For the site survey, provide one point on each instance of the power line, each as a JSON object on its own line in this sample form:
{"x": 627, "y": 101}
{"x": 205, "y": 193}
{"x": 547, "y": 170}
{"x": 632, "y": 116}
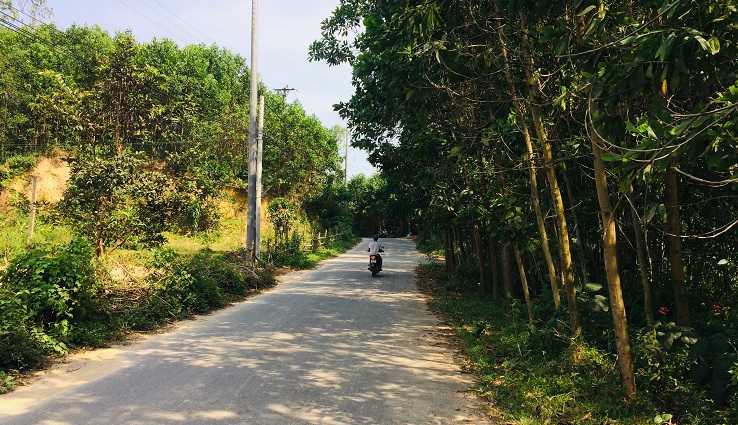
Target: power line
{"x": 185, "y": 22}
{"x": 147, "y": 18}
{"x": 169, "y": 20}
{"x": 20, "y": 28}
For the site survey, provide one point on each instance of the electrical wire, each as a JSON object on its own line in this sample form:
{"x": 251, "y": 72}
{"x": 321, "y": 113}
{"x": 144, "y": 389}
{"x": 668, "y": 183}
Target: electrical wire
{"x": 147, "y": 18}
{"x": 185, "y": 22}
{"x": 170, "y": 21}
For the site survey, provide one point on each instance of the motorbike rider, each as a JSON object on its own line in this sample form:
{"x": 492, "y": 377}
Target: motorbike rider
{"x": 374, "y": 249}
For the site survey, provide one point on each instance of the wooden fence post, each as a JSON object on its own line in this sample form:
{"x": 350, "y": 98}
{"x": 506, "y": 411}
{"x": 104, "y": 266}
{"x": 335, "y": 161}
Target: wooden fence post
{"x": 32, "y": 217}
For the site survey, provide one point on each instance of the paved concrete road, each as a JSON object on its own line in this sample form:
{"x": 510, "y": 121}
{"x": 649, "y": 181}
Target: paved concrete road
{"x": 327, "y": 346}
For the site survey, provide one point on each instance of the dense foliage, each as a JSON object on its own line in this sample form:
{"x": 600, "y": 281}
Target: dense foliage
{"x": 98, "y": 95}
{"x": 156, "y": 137}
{"x": 577, "y": 155}
{"x": 57, "y": 298}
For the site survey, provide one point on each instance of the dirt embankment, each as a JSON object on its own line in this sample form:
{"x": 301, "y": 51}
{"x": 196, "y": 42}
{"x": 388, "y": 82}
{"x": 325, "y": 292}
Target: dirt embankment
{"x": 53, "y": 175}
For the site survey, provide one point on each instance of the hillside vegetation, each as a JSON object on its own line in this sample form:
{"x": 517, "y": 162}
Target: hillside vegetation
{"x": 141, "y": 160}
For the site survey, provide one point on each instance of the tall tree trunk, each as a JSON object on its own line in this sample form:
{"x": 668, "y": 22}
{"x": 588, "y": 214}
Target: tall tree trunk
{"x": 495, "y": 268}
{"x": 448, "y": 251}
{"x": 459, "y": 237}
{"x": 507, "y": 273}
{"x": 530, "y": 155}
{"x": 558, "y": 202}
{"x": 674, "y": 228}
{"x": 481, "y": 257}
{"x": 524, "y": 281}
{"x": 581, "y": 240}
{"x": 453, "y": 244}
{"x": 617, "y": 306}
{"x": 642, "y": 262}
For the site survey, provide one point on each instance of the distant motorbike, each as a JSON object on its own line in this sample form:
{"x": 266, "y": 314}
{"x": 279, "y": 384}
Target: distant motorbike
{"x": 375, "y": 263}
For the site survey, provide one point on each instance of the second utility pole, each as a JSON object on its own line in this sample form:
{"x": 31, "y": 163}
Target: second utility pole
{"x": 251, "y": 236}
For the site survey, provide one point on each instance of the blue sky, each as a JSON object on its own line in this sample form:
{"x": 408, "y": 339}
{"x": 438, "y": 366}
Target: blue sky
{"x": 286, "y": 29}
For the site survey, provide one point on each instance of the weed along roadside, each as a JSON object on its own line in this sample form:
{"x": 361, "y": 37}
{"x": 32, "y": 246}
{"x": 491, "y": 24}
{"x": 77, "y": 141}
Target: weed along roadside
{"x": 59, "y": 299}
{"x": 532, "y": 373}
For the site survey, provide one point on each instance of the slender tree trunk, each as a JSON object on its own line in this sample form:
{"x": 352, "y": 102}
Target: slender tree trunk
{"x": 674, "y": 226}
{"x": 479, "y": 248}
{"x": 642, "y": 263}
{"x": 459, "y": 237}
{"x": 446, "y": 251}
{"x": 495, "y": 266}
{"x": 535, "y": 200}
{"x": 524, "y": 281}
{"x": 507, "y": 272}
{"x": 558, "y": 202}
{"x": 452, "y": 246}
{"x": 581, "y": 240}
{"x": 617, "y": 306}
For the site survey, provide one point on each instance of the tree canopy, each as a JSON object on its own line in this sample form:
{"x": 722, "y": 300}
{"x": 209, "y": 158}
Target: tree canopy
{"x": 181, "y": 111}
{"x": 623, "y": 111}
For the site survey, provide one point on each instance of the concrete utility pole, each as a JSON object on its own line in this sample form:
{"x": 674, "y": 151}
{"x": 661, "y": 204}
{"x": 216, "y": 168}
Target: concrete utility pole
{"x": 259, "y": 157}
{"x": 253, "y": 144}
{"x": 345, "y": 165}
{"x": 284, "y": 91}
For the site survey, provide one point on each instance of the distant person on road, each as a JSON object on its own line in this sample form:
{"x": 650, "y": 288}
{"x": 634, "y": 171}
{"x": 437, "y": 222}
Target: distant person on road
{"x": 374, "y": 249}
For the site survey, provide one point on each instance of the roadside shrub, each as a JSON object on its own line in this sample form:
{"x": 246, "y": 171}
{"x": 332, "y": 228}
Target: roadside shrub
{"x": 18, "y": 348}
{"x": 208, "y": 268}
{"x": 7, "y": 382}
{"x": 48, "y": 301}
{"x": 289, "y": 254}
{"x": 57, "y": 287}
{"x": 180, "y": 288}
{"x": 4, "y": 173}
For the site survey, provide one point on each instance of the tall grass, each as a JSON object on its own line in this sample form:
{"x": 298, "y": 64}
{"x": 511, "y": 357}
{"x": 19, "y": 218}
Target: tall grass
{"x": 532, "y": 372}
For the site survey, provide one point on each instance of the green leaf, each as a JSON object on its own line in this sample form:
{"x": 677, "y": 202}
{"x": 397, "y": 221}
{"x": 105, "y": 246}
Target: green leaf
{"x": 703, "y": 43}
{"x": 629, "y": 39}
{"x": 602, "y": 303}
{"x": 593, "y": 287}
{"x": 664, "y": 417}
{"x": 650, "y": 214}
{"x": 714, "y": 45}
{"x": 586, "y": 10}
{"x": 611, "y": 157}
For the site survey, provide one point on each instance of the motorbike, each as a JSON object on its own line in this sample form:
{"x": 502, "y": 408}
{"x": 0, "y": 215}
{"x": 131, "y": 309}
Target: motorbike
{"x": 375, "y": 263}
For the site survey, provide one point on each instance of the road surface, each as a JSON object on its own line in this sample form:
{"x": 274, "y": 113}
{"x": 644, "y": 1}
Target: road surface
{"x": 326, "y": 346}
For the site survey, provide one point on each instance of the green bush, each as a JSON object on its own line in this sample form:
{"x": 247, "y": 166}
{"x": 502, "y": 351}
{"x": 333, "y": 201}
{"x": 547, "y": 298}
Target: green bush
{"x": 7, "y": 382}
{"x": 181, "y": 288}
{"x": 18, "y": 348}
{"x": 21, "y": 163}
{"x": 47, "y": 296}
{"x": 218, "y": 273}
{"x": 57, "y": 287}
{"x": 57, "y": 282}
{"x": 289, "y": 254}
{"x": 4, "y": 173}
